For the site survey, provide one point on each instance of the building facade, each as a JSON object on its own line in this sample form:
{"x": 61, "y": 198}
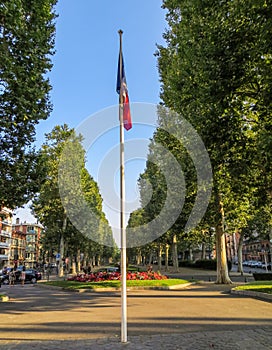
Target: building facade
{"x": 254, "y": 249}
{"x": 5, "y": 236}
{"x": 28, "y": 236}
{"x": 258, "y": 250}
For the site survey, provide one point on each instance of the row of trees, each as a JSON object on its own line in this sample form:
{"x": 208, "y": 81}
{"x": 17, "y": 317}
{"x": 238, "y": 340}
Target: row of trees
{"x": 63, "y": 152}
{"x": 216, "y": 71}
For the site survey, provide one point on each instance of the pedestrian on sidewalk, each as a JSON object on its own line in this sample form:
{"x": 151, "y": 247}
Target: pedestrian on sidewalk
{"x": 23, "y": 275}
{"x": 11, "y": 277}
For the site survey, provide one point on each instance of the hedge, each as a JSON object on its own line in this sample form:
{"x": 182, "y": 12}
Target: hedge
{"x": 206, "y": 264}
{"x": 262, "y": 276}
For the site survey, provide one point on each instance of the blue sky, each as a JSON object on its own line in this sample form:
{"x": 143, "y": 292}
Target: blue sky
{"x": 85, "y": 63}
{"x": 83, "y": 77}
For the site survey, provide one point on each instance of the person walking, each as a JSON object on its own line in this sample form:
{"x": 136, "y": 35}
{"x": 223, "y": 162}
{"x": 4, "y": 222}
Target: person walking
{"x": 11, "y": 277}
{"x": 23, "y": 275}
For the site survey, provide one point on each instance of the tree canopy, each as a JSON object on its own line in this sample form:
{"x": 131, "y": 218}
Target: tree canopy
{"x": 59, "y": 201}
{"x": 215, "y": 72}
{"x": 27, "y": 32}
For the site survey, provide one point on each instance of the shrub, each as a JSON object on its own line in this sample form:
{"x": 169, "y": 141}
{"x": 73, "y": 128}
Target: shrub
{"x": 206, "y": 264}
{"x": 186, "y": 263}
{"x": 262, "y": 276}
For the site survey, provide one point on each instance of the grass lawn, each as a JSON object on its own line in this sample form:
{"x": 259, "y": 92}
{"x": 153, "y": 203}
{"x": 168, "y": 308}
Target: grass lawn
{"x": 115, "y": 284}
{"x": 260, "y": 286}
{"x": 3, "y": 297}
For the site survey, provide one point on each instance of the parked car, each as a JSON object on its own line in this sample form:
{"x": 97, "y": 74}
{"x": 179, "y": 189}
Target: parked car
{"x": 268, "y": 266}
{"x": 32, "y": 276}
{"x": 253, "y": 263}
{"x": 5, "y": 270}
{"x": 259, "y": 264}
{"x": 35, "y": 273}
{"x": 49, "y": 266}
{"x": 109, "y": 269}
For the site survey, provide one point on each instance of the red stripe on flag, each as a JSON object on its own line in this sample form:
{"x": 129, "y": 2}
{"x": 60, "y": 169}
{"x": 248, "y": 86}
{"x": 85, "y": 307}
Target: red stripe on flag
{"x": 126, "y": 108}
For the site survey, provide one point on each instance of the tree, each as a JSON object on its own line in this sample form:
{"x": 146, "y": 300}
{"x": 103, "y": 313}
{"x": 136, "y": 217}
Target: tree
{"x": 27, "y": 31}
{"x": 216, "y": 72}
{"x": 50, "y": 204}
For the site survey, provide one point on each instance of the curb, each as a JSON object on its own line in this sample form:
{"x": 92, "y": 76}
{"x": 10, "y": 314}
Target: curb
{"x": 250, "y": 293}
{"x": 97, "y": 290}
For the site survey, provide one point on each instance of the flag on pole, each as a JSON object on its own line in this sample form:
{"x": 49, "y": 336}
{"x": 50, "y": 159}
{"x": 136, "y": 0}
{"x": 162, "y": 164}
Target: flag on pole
{"x": 122, "y": 90}
{"x": 125, "y": 120}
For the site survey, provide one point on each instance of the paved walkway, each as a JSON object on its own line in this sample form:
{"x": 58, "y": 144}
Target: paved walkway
{"x": 203, "y": 316}
{"x": 259, "y": 339}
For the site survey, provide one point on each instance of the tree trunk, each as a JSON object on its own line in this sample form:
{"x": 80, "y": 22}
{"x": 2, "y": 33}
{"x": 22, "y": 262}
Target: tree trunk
{"x": 78, "y": 261}
{"x": 221, "y": 255}
{"x": 240, "y": 254}
{"x": 139, "y": 257}
{"x": 203, "y": 251}
{"x": 190, "y": 254}
{"x": 150, "y": 258}
{"x": 235, "y": 250}
{"x": 62, "y": 243}
{"x": 269, "y": 257}
{"x": 175, "y": 253}
{"x": 183, "y": 255}
{"x": 166, "y": 257}
{"x": 159, "y": 257}
{"x": 74, "y": 265}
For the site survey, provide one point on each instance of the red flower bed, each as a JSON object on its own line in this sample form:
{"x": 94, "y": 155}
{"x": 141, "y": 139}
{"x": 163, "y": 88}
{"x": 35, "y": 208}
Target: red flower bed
{"x": 110, "y": 276}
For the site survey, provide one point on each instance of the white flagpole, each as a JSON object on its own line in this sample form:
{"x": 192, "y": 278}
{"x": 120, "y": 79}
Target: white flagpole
{"x": 122, "y": 211}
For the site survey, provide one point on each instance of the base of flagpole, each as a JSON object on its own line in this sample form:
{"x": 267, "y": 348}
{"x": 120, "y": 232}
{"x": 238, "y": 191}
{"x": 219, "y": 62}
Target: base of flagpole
{"x": 123, "y": 296}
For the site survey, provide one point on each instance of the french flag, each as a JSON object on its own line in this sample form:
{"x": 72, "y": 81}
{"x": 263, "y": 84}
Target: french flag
{"x": 122, "y": 90}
